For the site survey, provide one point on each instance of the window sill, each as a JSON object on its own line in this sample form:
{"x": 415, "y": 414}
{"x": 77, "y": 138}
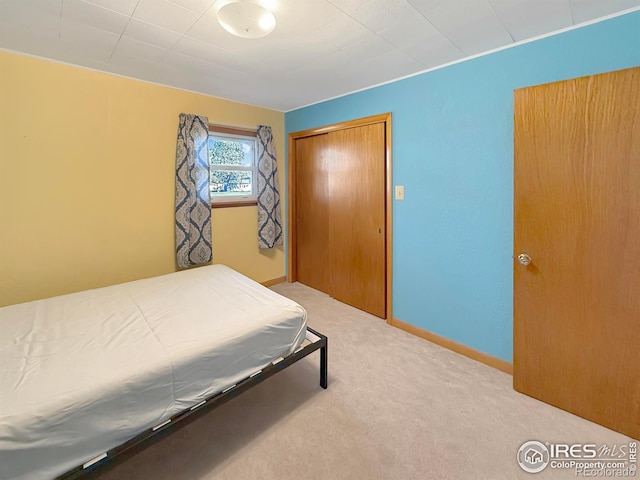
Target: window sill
{"x": 235, "y": 203}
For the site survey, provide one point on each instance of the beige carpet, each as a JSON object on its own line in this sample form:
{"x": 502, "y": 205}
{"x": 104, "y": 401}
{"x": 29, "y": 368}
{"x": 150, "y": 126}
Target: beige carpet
{"x": 397, "y": 407}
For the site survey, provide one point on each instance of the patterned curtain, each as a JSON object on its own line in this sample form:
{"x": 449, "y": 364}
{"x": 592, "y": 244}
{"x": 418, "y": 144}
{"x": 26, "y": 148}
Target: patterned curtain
{"x": 269, "y": 218}
{"x": 193, "y": 204}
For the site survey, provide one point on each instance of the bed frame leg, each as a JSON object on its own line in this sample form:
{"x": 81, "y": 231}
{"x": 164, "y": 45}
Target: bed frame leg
{"x": 323, "y": 364}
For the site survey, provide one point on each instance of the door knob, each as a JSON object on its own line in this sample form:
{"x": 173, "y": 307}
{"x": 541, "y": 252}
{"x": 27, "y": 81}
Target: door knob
{"x": 524, "y": 259}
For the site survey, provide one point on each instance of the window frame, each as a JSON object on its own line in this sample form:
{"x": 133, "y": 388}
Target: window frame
{"x": 239, "y": 200}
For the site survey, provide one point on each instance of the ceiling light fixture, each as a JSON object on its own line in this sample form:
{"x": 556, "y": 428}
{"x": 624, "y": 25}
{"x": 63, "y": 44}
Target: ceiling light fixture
{"x": 246, "y": 19}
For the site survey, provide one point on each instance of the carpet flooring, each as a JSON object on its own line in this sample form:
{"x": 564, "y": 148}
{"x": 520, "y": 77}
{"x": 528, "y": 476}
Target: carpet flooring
{"x": 397, "y": 407}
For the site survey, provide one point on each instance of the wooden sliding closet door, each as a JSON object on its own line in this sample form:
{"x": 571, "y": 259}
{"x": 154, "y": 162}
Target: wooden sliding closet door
{"x": 312, "y": 211}
{"x": 357, "y": 220}
{"x": 577, "y": 220}
{"x": 340, "y": 215}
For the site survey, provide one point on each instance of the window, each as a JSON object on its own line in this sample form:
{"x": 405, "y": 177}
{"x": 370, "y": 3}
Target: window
{"x": 233, "y": 166}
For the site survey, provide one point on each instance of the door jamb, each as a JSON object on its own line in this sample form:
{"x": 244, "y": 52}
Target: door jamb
{"x": 291, "y": 197}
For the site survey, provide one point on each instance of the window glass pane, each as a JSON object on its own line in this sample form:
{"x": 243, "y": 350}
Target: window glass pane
{"x": 231, "y": 151}
{"x": 226, "y": 182}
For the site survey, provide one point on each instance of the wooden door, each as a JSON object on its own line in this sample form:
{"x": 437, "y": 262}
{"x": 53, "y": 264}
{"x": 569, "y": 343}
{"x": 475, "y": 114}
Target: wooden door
{"x": 357, "y": 218}
{"x": 577, "y": 215}
{"x": 312, "y": 211}
{"x": 340, "y": 214}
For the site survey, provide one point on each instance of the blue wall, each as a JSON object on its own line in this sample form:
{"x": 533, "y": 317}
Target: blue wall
{"x": 453, "y": 152}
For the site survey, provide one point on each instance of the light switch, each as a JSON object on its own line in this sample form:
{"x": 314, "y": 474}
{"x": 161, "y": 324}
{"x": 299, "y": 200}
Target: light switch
{"x": 399, "y": 192}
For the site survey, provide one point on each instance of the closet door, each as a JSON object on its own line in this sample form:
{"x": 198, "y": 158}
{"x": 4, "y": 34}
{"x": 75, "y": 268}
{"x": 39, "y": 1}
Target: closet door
{"x": 312, "y": 212}
{"x": 577, "y": 240}
{"x": 357, "y": 217}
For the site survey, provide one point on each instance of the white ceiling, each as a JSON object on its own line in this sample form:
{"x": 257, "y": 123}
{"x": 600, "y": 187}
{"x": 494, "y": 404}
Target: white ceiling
{"x": 319, "y": 49}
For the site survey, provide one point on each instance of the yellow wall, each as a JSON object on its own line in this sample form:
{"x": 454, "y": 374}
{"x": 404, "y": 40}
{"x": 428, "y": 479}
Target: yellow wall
{"x": 87, "y": 180}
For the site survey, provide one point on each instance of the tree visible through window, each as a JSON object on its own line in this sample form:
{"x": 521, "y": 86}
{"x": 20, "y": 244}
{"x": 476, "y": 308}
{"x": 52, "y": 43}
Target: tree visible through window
{"x": 232, "y": 160}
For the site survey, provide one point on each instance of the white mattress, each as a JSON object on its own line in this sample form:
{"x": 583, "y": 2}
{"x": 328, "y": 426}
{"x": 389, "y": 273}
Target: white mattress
{"x": 82, "y": 373}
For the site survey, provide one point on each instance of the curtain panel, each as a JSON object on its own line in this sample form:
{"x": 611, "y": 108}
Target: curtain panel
{"x": 269, "y": 216}
{"x": 193, "y": 202}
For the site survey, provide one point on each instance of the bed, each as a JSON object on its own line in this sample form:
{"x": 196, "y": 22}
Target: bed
{"x": 93, "y": 375}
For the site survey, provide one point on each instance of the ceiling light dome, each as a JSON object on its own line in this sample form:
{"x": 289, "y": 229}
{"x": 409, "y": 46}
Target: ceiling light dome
{"x": 246, "y": 19}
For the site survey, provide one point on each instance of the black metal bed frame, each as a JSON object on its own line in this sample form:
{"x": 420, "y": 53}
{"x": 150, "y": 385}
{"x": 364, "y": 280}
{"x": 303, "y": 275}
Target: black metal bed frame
{"x": 111, "y": 458}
